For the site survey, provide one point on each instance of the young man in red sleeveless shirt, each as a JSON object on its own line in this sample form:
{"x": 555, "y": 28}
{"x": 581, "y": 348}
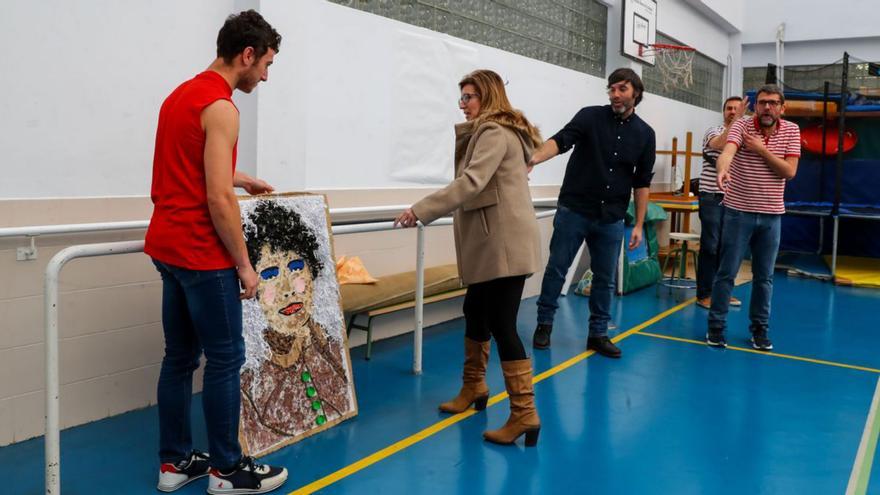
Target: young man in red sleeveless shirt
{"x": 761, "y": 153}
{"x": 196, "y": 242}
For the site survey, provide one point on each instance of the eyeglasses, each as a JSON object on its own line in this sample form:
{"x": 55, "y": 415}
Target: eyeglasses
{"x": 466, "y": 97}
{"x": 769, "y": 103}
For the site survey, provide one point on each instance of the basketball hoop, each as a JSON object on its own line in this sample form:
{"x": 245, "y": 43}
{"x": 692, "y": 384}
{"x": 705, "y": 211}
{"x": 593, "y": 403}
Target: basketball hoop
{"x": 675, "y": 62}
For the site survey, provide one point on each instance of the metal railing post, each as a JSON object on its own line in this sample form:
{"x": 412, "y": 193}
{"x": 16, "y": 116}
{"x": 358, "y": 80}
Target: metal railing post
{"x": 420, "y": 298}
{"x": 50, "y": 308}
{"x": 53, "y": 430}
{"x": 834, "y": 248}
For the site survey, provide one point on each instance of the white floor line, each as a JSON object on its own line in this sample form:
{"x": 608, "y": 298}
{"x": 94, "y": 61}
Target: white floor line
{"x": 861, "y": 473}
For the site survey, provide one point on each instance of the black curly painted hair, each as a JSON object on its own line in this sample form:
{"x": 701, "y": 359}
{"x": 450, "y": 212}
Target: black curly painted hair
{"x": 282, "y": 230}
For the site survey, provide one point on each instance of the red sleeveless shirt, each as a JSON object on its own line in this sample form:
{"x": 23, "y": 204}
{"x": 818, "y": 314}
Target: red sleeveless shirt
{"x": 181, "y": 232}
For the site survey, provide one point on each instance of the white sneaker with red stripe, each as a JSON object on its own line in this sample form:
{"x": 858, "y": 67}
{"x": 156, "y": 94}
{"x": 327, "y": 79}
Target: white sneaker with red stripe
{"x": 247, "y": 477}
{"x": 174, "y": 476}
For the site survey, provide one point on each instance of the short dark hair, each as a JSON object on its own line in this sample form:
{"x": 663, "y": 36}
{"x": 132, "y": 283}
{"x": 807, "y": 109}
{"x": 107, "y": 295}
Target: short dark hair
{"x": 629, "y": 76}
{"x": 283, "y": 230}
{"x": 730, "y": 99}
{"x": 771, "y": 89}
{"x": 245, "y": 29}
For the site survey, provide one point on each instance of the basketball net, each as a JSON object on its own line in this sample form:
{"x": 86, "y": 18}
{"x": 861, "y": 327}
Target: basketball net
{"x": 675, "y": 63}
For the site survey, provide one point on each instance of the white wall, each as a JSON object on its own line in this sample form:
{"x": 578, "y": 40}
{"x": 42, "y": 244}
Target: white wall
{"x": 82, "y": 84}
{"x": 81, "y": 106}
{"x": 614, "y": 57}
{"x": 691, "y": 27}
{"x": 816, "y": 32}
{"x": 342, "y": 124}
{"x": 815, "y": 52}
{"x": 809, "y": 20}
{"x": 729, "y": 15}
{"x": 329, "y": 115}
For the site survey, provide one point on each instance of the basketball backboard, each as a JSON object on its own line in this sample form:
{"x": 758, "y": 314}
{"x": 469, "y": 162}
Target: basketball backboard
{"x": 639, "y": 28}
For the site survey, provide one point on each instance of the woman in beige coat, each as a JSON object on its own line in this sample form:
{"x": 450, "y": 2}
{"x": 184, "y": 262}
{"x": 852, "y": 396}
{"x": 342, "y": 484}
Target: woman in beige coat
{"x": 497, "y": 245}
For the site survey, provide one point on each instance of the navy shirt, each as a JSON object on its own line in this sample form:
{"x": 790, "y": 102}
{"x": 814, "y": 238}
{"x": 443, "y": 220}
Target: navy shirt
{"x": 611, "y": 157}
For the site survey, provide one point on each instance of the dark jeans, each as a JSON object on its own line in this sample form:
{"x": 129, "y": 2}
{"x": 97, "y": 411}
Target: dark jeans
{"x": 711, "y": 218}
{"x": 742, "y": 230}
{"x": 201, "y": 310}
{"x": 490, "y": 309}
{"x": 570, "y": 230}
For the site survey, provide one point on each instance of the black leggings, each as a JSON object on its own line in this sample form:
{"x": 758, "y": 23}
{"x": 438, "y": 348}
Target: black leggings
{"x": 490, "y": 310}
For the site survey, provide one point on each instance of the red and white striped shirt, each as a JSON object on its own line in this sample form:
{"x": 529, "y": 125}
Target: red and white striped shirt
{"x": 709, "y": 175}
{"x": 754, "y": 186}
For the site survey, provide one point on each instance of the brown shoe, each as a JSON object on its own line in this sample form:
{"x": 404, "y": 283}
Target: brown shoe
{"x": 735, "y": 302}
{"x": 705, "y": 302}
{"x": 473, "y": 387}
{"x": 523, "y": 418}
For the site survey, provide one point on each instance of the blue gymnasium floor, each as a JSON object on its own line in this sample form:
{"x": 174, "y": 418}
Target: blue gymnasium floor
{"x": 672, "y": 416}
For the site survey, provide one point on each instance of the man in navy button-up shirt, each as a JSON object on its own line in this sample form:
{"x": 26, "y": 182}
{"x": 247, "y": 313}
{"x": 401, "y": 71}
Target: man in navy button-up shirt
{"x": 614, "y": 153}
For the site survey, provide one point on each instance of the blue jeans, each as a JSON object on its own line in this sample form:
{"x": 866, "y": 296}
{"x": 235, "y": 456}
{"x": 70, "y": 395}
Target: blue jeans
{"x": 760, "y": 232}
{"x": 711, "y": 218}
{"x": 570, "y": 230}
{"x": 201, "y": 310}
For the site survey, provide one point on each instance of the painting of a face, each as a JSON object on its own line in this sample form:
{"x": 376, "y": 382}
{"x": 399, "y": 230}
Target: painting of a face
{"x": 285, "y": 290}
{"x": 296, "y": 378}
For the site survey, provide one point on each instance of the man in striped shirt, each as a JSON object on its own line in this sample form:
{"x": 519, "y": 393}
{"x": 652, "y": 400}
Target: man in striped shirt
{"x": 710, "y": 201}
{"x": 761, "y": 153}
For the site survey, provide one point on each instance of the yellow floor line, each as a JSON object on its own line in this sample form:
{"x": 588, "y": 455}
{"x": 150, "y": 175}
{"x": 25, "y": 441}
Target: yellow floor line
{"x": 446, "y": 423}
{"x": 765, "y": 353}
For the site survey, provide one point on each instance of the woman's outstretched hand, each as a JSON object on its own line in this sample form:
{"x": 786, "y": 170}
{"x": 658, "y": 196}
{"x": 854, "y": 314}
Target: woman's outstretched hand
{"x": 406, "y": 219}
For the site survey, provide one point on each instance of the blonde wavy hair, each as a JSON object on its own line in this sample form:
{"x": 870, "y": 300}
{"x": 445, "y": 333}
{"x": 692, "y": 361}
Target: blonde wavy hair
{"x": 495, "y": 107}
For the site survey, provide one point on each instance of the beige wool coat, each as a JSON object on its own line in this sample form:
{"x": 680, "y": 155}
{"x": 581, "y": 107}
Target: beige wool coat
{"x": 496, "y": 233}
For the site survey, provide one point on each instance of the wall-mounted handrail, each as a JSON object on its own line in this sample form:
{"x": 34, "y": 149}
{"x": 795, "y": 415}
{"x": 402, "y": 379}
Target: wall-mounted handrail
{"x": 52, "y": 436}
{"x": 76, "y": 228}
{"x": 73, "y": 228}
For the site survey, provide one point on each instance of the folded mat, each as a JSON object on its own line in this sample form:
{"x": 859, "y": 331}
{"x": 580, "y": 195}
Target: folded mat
{"x": 398, "y": 288}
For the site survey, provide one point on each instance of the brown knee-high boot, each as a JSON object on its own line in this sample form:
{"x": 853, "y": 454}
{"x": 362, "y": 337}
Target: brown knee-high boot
{"x": 473, "y": 388}
{"x": 523, "y": 415}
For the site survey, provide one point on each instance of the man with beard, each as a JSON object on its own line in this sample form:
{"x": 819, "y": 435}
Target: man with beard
{"x": 195, "y": 240}
{"x": 710, "y": 201}
{"x": 760, "y": 155}
{"x": 614, "y": 153}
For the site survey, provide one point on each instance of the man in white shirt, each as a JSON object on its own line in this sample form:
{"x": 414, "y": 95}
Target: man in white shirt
{"x": 711, "y": 211}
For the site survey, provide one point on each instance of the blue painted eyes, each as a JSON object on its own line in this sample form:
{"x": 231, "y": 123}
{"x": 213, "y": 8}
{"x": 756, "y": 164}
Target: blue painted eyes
{"x": 272, "y": 272}
{"x": 269, "y": 273}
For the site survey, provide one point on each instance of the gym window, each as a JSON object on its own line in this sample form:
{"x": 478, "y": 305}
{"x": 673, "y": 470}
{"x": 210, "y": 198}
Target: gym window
{"x": 568, "y": 33}
{"x": 811, "y": 78}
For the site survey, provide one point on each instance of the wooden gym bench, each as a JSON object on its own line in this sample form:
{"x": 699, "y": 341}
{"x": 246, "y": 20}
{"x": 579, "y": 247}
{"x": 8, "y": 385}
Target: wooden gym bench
{"x": 395, "y": 293}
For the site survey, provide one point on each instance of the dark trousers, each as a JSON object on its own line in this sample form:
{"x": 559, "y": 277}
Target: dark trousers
{"x": 711, "y": 219}
{"x": 490, "y": 310}
{"x": 201, "y": 310}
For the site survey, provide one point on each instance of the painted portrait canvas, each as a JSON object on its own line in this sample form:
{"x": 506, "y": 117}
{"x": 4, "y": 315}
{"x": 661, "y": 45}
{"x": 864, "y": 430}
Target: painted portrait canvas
{"x": 296, "y": 380}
